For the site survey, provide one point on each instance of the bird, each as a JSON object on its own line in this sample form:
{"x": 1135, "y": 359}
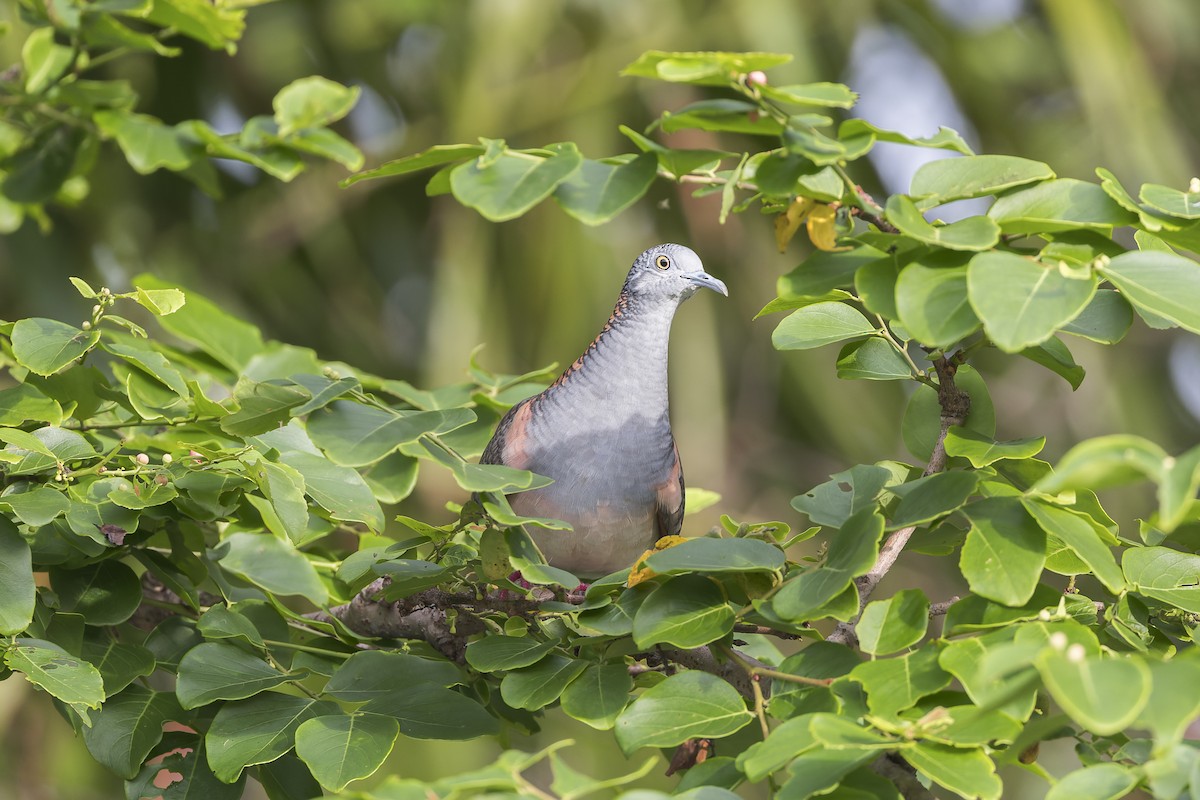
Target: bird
{"x": 602, "y": 430}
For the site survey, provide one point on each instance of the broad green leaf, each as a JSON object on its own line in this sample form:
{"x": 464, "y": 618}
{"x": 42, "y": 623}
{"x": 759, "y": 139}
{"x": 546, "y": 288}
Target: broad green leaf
{"x": 263, "y": 407}
{"x": 72, "y": 680}
{"x": 722, "y": 114}
{"x": 287, "y": 512}
{"x": 820, "y": 324}
{"x": 216, "y": 671}
{"x": 1177, "y": 489}
{"x": 822, "y": 272}
{"x": 44, "y": 60}
{"x": 1005, "y": 551}
{"x": 355, "y": 434}
{"x": 705, "y": 554}
{"x": 894, "y": 684}
{"x": 24, "y": 403}
{"x": 1174, "y": 698}
{"x": 890, "y": 625}
{"x": 371, "y": 674}
{"x": 598, "y": 695}
{"x": 217, "y": 27}
{"x": 677, "y": 162}
{"x": 1163, "y": 574}
{"x": 852, "y": 551}
{"x": 37, "y": 507}
{"x": 147, "y": 143}
{"x": 981, "y": 450}
{"x": 435, "y": 156}
{"x": 831, "y": 95}
{"x": 1058, "y": 205}
{"x": 873, "y": 359}
{"x": 160, "y": 301}
{"x": 971, "y": 233}
{"x": 288, "y": 778}
{"x": 705, "y": 68}
{"x": 1185, "y": 205}
{"x": 312, "y": 102}
{"x": 1054, "y": 356}
{"x": 427, "y": 711}
{"x": 17, "y": 589}
{"x": 1165, "y": 284}
{"x": 272, "y": 564}
{"x": 685, "y": 706}
{"x": 832, "y": 502}
{"x": 540, "y": 685}
{"x": 324, "y": 143}
{"x": 947, "y": 179}
{"x": 106, "y": 593}
{"x": 153, "y": 363}
{"x": 36, "y": 173}
{"x": 45, "y": 346}
{"x": 202, "y": 323}
{"x": 688, "y": 611}
{"x": 1103, "y": 695}
{"x": 973, "y": 613}
{"x": 507, "y": 185}
{"x": 599, "y": 191}
{"x": 922, "y": 416}
{"x": 1103, "y": 462}
{"x": 932, "y": 303}
{"x": 344, "y": 748}
{"x": 1084, "y": 536}
{"x": 1021, "y": 302}
{"x": 930, "y": 497}
{"x": 141, "y": 496}
{"x": 966, "y": 659}
{"x": 971, "y": 725}
{"x": 257, "y": 731}
{"x": 339, "y": 490}
{"x": 1107, "y": 781}
{"x": 407, "y": 576}
{"x": 944, "y": 139}
{"x": 819, "y": 770}
{"x": 186, "y": 761}
{"x": 817, "y": 660}
{"x": 969, "y": 773}
{"x": 875, "y": 285}
{"x": 783, "y": 744}
{"x": 128, "y": 727}
{"x": 495, "y": 653}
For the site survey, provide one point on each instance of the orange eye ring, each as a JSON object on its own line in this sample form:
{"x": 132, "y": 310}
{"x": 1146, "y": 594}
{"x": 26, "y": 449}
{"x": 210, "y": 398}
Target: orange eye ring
{"x": 662, "y": 262}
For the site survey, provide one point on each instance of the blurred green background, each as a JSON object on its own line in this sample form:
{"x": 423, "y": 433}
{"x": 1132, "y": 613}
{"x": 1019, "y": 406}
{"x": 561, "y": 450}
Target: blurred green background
{"x": 382, "y": 277}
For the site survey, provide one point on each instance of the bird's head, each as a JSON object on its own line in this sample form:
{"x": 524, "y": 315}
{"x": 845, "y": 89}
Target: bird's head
{"x": 670, "y": 272}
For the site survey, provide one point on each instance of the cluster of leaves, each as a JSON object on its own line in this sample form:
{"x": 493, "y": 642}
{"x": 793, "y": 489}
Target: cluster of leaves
{"x": 59, "y": 108}
{"x": 175, "y": 508}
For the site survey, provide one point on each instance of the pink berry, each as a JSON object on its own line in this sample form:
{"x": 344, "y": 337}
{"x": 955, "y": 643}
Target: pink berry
{"x": 757, "y": 78}
{"x": 142, "y": 458}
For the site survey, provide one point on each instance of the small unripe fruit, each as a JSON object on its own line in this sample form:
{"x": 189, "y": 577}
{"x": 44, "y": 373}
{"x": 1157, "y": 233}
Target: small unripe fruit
{"x": 102, "y": 470}
{"x": 757, "y": 78}
{"x": 161, "y": 480}
{"x": 194, "y": 454}
{"x": 142, "y": 459}
{"x": 1058, "y": 640}
{"x": 1076, "y": 653}
{"x": 87, "y": 326}
{"x": 167, "y": 459}
{"x": 96, "y": 309}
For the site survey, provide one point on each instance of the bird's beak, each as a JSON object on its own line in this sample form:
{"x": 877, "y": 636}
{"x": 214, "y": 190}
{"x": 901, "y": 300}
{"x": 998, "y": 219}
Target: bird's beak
{"x": 708, "y": 282}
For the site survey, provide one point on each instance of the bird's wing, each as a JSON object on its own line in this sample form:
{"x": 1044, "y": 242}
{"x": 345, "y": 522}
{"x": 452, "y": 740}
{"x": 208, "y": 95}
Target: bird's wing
{"x": 668, "y": 517}
{"x": 507, "y": 446}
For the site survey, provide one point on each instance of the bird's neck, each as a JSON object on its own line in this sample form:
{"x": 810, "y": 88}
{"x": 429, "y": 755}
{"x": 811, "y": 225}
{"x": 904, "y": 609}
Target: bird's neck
{"x": 625, "y": 366}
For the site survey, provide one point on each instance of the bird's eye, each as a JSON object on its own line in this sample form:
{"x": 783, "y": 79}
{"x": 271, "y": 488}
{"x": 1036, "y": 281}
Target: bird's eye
{"x": 662, "y": 262}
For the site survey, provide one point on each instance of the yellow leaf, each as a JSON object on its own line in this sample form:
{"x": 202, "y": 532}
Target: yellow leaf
{"x": 787, "y": 223}
{"x": 822, "y": 230}
{"x": 638, "y": 572}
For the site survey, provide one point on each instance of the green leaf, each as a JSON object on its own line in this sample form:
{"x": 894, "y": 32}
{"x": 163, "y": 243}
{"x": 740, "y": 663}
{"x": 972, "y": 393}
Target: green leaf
{"x": 119, "y": 663}
{"x": 540, "y": 685}
{"x": 599, "y": 191}
{"x": 216, "y": 671}
{"x": 1021, "y": 302}
{"x": 1103, "y": 462}
{"x": 705, "y": 554}
{"x": 677, "y": 162}
{"x": 922, "y": 416}
{"x": 186, "y": 762}
{"x": 44, "y": 60}
{"x": 482, "y": 477}
{"x": 106, "y": 593}
{"x": 819, "y": 770}
{"x": 1165, "y": 284}
{"x": 263, "y": 407}
{"x": 688, "y": 611}
{"x": 495, "y": 653}
{"x": 507, "y": 185}
{"x": 147, "y": 143}
{"x": 202, "y": 323}
{"x": 37, "y": 172}
{"x": 339, "y": 490}
{"x": 685, "y": 706}
{"x": 23, "y": 403}
{"x": 152, "y": 363}
{"x": 829, "y": 95}
{"x": 37, "y": 507}
{"x": 598, "y": 695}
{"x": 1083, "y": 535}
{"x": 820, "y": 324}
{"x": 1103, "y": 695}
{"x": 971, "y": 233}
{"x": 426, "y": 711}
{"x": 312, "y": 102}
{"x": 894, "y": 684}
{"x": 257, "y": 731}
{"x": 930, "y": 497}
{"x": 891, "y": 625}
{"x": 722, "y": 114}
{"x": 783, "y": 744}
{"x": 435, "y": 156}
{"x": 371, "y": 674}
{"x": 1163, "y": 574}
{"x": 355, "y": 434}
{"x": 947, "y": 179}
{"x": 1105, "y": 781}
{"x": 283, "y": 487}
{"x": 344, "y": 748}
{"x": 407, "y": 576}
{"x": 933, "y": 304}
{"x": 1174, "y": 699}
{"x": 273, "y": 565}
{"x": 845, "y": 493}
{"x": 45, "y": 346}
{"x": 160, "y": 301}
{"x": 1054, "y": 356}
{"x": 1185, "y": 205}
{"x": 823, "y": 272}
{"x": 944, "y": 139}
{"x": 72, "y": 680}
{"x": 1058, "y": 205}
{"x": 217, "y": 27}
{"x": 704, "y": 68}
{"x": 17, "y": 588}
{"x": 852, "y": 551}
{"x": 873, "y": 359}
{"x": 1005, "y": 551}
{"x": 969, "y": 773}
{"x": 981, "y": 450}
{"x": 128, "y": 727}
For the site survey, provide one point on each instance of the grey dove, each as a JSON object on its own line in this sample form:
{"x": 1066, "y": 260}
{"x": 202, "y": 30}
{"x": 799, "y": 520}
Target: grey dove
{"x": 602, "y": 431}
